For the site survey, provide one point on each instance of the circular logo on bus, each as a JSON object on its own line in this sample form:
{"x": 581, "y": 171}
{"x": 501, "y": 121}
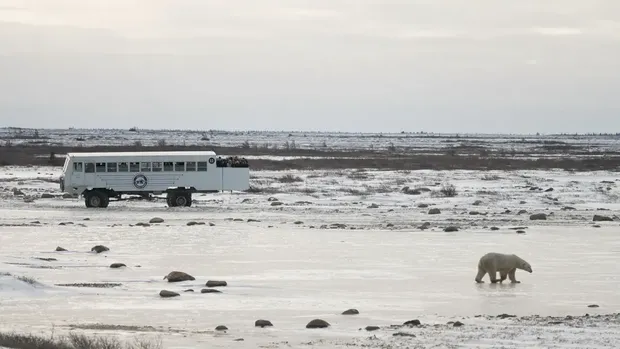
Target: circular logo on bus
{"x": 211, "y": 161}
{"x": 140, "y": 181}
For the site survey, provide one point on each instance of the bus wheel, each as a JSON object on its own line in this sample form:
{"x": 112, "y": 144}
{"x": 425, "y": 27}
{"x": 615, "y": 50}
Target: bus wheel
{"x": 95, "y": 198}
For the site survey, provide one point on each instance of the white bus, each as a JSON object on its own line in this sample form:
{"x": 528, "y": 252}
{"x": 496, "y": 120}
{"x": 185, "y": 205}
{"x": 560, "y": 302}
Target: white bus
{"x": 98, "y": 177}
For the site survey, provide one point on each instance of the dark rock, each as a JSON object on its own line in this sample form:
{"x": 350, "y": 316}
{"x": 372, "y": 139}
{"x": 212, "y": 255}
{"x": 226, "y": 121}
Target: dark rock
{"x": 538, "y": 216}
{"x": 168, "y": 294}
{"x": 373, "y": 206}
{"x": 142, "y": 224}
{"x": 221, "y": 328}
{"x": 350, "y": 312}
{"x": 189, "y": 290}
{"x": 457, "y": 324}
{"x": 99, "y": 248}
{"x": 505, "y": 316}
{"x": 477, "y": 203}
{"x": 422, "y": 205}
{"x": 520, "y": 231}
{"x": 276, "y": 203}
{"x": 262, "y": 323}
{"x": 548, "y": 190}
{"x": 434, "y": 211}
{"x": 371, "y": 328}
{"x": 403, "y": 334}
{"x": 317, "y": 323}
{"x": 210, "y": 290}
{"x": 593, "y": 306}
{"x": 415, "y": 322}
{"x": 599, "y": 218}
{"x": 216, "y": 283}
{"x": 156, "y": 220}
{"x": 298, "y": 222}
{"x": 494, "y": 228}
{"x": 117, "y": 265}
{"x": 176, "y": 276}
{"x": 450, "y": 229}
{"x": 60, "y": 249}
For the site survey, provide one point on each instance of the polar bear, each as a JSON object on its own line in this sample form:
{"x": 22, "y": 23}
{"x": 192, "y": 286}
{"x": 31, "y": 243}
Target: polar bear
{"x": 506, "y": 264}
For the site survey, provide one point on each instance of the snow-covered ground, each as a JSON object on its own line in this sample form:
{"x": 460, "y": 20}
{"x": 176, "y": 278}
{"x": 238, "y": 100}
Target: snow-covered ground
{"x": 338, "y": 240}
{"x": 413, "y": 141}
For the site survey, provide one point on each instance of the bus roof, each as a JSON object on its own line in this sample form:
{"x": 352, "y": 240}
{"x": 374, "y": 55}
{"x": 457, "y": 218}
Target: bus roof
{"x": 141, "y": 154}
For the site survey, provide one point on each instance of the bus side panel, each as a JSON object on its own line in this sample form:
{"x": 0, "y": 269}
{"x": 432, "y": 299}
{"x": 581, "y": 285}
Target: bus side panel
{"x": 235, "y": 178}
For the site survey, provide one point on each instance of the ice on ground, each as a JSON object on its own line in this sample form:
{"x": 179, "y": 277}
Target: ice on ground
{"x": 289, "y": 273}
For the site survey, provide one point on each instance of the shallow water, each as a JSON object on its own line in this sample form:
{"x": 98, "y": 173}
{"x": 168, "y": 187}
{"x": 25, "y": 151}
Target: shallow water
{"x": 291, "y": 275}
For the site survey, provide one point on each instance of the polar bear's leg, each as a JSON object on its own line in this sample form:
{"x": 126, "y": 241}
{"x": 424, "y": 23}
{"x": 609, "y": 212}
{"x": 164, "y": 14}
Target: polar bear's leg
{"x": 503, "y": 274}
{"x": 480, "y": 275}
{"x": 511, "y": 275}
{"x": 492, "y": 274}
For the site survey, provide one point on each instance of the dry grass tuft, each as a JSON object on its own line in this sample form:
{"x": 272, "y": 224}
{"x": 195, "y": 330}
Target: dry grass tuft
{"x": 72, "y": 341}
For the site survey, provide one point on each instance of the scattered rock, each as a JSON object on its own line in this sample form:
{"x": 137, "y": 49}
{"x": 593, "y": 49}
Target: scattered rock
{"x": 192, "y": 223}
{"x": 252, "y": 220}
{"x": 434, "y": 211}
{"x": 168, "y": 294}
{"x": 276, "y": 203}
{"x": 474, "y": 213}
{"x": 538, "y": 216}
{"x": 568, "y": 208}
{"x": 457, "y": 324}
{"x": 522, "y": 212}
{"x": 117, "y": 265}
{"x": 98, "y": 248}
{"x": 262, "y": 323}
{"x": 494, "y": 228}
{"x": 211, "y": 224}
{"x": 142, "y": 224}
{"x": 176, "y": 276}
{"x": 520, "y": 231}
{"x": 593, "y": 306}
{"x": 210, "y": 290}
{"x": 46, "y": 196}
{"x": 505, "y": 316}
{"x": 410, "y": 323}
{"x": 189, "y": 290}
{"x": 450, "y": 229}
{"x": 350, "y": 312}
{"x": 272, "y": 199}
{"x": 61, "y": 249}
{"x": 156, "y": 220}
{"x": 422, "y": 205}
{"x": 371, "y": 328}
{"x": 403, "y": 334}
{"x": 548, "y": 190}
{"x": 298, "y": 222}
{"x": 221, "y": 328}
{"x": 317, "y": 323}
{"x": 599, "y": 218}
{"x": 373, "y": 206}
{"x": 477, "y": 203}
{"x": 46, "y": 259}
{"x": 216, "y": 283}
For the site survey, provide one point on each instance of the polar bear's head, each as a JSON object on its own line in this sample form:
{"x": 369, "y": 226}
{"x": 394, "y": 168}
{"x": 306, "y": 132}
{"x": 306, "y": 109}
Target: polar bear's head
{"x": 525, "y": 266}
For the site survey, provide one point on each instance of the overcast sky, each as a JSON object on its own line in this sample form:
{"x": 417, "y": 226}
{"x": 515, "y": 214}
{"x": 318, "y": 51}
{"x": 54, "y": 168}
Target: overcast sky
{"x": 341, "y": 65}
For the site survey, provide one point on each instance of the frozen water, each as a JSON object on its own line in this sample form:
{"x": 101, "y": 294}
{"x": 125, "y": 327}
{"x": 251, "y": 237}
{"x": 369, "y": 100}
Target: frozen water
{"x": 291, "y": 273}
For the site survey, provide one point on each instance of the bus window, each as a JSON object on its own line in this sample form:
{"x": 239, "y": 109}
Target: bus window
{"x": 111, "y": 166}
{"x": 202, "y": 166}
{"x": 100, "y": 167}
{"x": 190, "y": 166}
{"x": 78, "y": 167}
{"x": 157, "y": 167}
{"x": 145, "y": 167}
{"x": 168, "y": 166}
{"x": 134, "y": 167}
{"x": 179, "y": 166}
{"x": 90, "y": 167}
{"x": 123, "y": 167}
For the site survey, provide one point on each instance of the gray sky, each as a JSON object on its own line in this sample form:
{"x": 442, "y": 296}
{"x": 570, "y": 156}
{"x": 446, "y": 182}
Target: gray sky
{"x": 341, "y": 65}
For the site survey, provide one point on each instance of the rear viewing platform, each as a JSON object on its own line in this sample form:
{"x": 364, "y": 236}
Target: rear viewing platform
{"x": 102, "y": 176}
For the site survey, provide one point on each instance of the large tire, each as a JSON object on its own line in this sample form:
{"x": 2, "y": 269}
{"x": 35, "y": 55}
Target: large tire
{"x": 95, "y": 198}
{"x": 176, "y": 199}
